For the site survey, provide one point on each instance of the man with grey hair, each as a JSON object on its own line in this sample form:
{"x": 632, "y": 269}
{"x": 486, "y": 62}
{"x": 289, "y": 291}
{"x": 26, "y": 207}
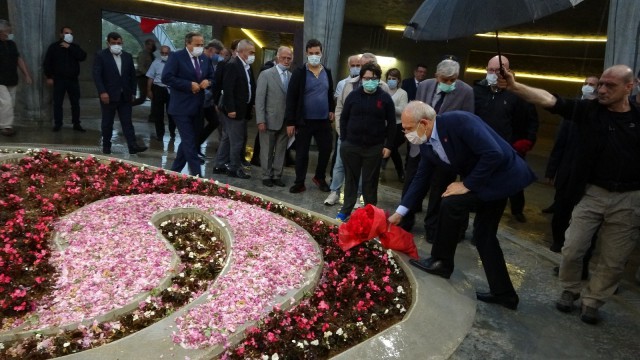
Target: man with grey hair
{"x": 239, "y": 89}
{"x": 464, "y": 144}
{"x": 444, "y": 93}
{"x": 271, "y": 101}
{"x": 353, "y": 62}
{"x": 11, "y": 60}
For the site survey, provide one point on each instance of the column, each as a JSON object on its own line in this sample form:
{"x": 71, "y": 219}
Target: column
{"x": 33, "y": 23}
{"x": 323, "y": 20}
{"x": 622, "y": 34}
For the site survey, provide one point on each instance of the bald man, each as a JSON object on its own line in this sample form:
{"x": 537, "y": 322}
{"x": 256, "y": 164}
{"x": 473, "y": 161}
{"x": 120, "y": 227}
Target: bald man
{"x": 515, "y": 120}
{"x": 607, "y": 174}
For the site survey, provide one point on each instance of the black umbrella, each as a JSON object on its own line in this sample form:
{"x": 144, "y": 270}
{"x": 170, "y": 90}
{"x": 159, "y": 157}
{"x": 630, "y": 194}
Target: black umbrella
{"x": 450, "y": 19}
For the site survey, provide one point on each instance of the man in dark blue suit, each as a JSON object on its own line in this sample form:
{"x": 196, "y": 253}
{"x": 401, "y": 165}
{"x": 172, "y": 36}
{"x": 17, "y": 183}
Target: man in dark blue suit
{"x": 115, "y": 78}
{"x": 188, "y": 73}
{"x": 492, "y": 171}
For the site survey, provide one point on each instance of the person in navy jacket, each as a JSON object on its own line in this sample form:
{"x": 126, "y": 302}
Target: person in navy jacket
{"x": 187, "y": 73}
{"x": 492, "y": 171}
{"x": 115, "y": 79}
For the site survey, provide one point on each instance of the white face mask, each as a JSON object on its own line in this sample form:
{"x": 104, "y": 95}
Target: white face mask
{"x": 250, "y": 59}
{"x": 164, "y": 57}
{"x": 68, "y": 38}
{"x": 414, "y": 138}
{"x": 588, "y": 90}
{"x": 354, "y": 71}
{"x": 115, "y": 49}
{"x": 492, "y": 78}
{"x": 314, "y": 59}
{"x": 10, "y": 37}
{"x": 197, "y": 51}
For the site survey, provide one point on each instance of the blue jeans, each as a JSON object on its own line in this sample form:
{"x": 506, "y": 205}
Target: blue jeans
{"x": 337, "y": 178}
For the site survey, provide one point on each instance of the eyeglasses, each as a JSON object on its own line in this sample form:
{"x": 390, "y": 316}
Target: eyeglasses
{"x": 369, "y": 78}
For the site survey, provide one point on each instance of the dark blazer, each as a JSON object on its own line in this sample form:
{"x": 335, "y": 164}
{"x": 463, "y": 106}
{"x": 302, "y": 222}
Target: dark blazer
{"x": 294, "y": 114}
{"x": 109, "y": 80}
{"x": 409, "y": 85}
{"x": 178, "y": 74}
{"x": 235, "y": 96}
{"x": 491, "y": 168}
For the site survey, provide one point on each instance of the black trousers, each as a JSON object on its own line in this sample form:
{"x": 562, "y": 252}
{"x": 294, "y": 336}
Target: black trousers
{"x": 159, "y": 103}
{"x": 360, "y": 161}
{"x": 211, "y": 116}
{"x": 442, "y": 177}
{"x": 142, "y": 87}
{"x": 321, "y": 131}
{"x": 454, "y": 211}
{"x": 395, "y": 154}
{"x": 62, "y": 86}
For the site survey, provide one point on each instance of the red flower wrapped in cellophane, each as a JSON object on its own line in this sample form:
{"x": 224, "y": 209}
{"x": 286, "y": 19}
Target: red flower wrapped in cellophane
{"x": 369, "y": 222}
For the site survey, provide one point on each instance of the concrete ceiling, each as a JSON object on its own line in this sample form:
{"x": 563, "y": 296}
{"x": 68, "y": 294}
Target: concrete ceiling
{"x": 585, "y": 18}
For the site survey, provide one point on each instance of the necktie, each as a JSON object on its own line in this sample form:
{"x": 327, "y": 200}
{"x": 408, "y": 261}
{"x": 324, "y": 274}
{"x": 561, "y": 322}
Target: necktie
{"x": 197, "y": 65}
{"x": 439, "y": 103}
{"x": 285, "y": 79}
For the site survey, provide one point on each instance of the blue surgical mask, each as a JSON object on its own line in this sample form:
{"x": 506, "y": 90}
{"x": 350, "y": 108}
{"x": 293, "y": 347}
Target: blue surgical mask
{"x": 314, "y": 59}
{"x": 354, "y": 71}
{"x": 370, "y": 85}
{"x": 393, "y": 83}
{"x": 492, "y": 78}
{"x": 447, "y": 88}
{"x": 282, "y": 67}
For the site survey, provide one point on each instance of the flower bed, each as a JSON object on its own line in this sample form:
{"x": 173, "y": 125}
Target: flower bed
{"x": 361, "y": 292}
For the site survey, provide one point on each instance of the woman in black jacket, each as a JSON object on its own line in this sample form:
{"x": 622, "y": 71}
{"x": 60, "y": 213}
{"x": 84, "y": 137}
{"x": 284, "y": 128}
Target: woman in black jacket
{"x": 367, "y": 129}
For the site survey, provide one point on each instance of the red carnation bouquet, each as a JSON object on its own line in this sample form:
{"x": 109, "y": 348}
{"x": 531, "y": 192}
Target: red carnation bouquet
{"x": 369, "y": 222}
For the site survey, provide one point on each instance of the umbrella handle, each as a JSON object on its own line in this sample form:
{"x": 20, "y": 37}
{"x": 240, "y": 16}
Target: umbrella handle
{"x": 499, "y": 56}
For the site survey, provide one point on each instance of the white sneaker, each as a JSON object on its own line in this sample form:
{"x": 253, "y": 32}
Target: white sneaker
{"x": 359, "y": 203}
{"x": 332, "y": 199}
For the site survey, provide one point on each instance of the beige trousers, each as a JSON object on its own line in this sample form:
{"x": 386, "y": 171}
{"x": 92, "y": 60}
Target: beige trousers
{"x": 7, "y": 104}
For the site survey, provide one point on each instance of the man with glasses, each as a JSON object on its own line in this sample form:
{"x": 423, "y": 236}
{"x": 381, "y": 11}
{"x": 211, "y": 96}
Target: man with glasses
{"x": 158, "y": 92}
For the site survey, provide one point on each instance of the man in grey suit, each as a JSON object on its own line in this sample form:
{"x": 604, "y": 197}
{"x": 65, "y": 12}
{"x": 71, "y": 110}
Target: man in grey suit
{"x": 271, "y": 99}
{"x": 443, "y": 93}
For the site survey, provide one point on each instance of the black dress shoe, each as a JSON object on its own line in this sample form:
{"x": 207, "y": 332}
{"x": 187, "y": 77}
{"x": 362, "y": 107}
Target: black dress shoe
{"x": 106, "y": 150}
{"x": 56, "y": 128}
{"x": 550, "y": 209}
{"x": 433, "y": 266}
{"x": 267, "y": 182}
{"x": 520, "y": 218}
{"x": 240, "y": 174}
{"x": 137, "y": 149}
{"x": 220, "y": 170}
{"x": 278, "y": 182}
{"x": 297, "y": 188}
{"x": 78, "y": 128}
{"x": 510, "y": 301}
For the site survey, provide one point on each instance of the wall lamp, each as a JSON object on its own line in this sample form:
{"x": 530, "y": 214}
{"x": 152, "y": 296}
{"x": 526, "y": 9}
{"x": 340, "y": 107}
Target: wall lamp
{"x": 253, "y": 37}
{"x": 549, "y": 77}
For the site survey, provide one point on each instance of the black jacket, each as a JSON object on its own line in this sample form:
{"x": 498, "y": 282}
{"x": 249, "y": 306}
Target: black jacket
{"x": 368, "y": 119}
{"x": 409, "y": 85}
{"x": 585, "y": 141}
{"x": 506, "y": 113}
{"x": 236, "y": 91}
{"x": 294, "y": 113}
{"x": 61, "y": 63}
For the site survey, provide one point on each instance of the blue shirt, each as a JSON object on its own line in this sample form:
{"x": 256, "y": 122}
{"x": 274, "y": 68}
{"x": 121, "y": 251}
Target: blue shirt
{"x": 316, "y": 103}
